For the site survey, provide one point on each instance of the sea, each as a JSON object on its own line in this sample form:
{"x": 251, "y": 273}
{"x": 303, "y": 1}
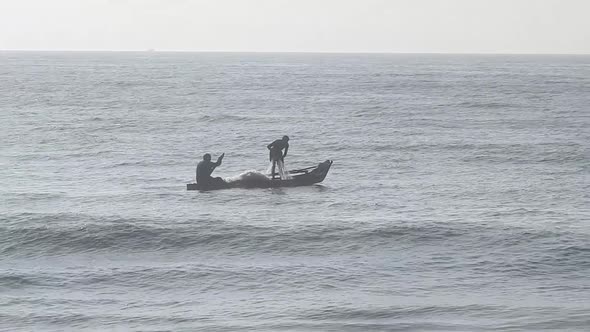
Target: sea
{"x": 458, "y": 198}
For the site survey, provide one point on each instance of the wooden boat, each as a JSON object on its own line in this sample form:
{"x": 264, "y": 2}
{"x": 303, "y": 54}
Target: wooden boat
{"x": 300, "y": 177}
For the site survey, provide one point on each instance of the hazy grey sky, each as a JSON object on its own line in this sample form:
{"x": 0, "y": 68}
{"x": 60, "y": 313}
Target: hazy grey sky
{"x": 455, "y": 26}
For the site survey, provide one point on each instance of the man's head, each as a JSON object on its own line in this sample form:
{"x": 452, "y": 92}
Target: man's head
{"x": 286, "y": 138}
{"x": 207, "y": 157}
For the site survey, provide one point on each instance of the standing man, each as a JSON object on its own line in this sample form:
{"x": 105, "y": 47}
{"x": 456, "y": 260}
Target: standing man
{"x": 205, "y": 168}
{"x": 276, "y": 153}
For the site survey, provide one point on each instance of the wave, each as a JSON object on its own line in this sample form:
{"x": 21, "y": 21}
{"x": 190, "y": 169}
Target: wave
{"x": 555, "y": 250}
{"x": 499, "y": 153}
{"x": 344, "y": 313}
{"x": 486, "y": 105}
{"x": 15, "y": 281}
{"x": 220, "y": 118}
{"x": 523, "y": 153}
{"x": 440, "y": 318}
{"x": 431, "y": 317}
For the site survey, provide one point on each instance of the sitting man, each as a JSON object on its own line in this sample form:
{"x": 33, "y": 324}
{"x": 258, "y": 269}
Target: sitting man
{"x": 205, "y": 168}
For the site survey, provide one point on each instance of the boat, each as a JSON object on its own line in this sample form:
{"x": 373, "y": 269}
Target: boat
{"x": 300, "y": 177}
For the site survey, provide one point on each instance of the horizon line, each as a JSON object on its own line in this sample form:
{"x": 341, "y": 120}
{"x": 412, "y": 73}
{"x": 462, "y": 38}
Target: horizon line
{"x": 278, "y": 52}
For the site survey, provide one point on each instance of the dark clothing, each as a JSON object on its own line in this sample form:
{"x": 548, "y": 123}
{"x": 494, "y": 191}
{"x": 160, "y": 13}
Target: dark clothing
{"x": 276, "y": 150}
{"x": 204, "y": 170}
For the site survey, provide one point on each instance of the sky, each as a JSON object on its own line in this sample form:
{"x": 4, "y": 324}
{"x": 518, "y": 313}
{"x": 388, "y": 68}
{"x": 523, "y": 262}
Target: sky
{"x": 388, "y": 26}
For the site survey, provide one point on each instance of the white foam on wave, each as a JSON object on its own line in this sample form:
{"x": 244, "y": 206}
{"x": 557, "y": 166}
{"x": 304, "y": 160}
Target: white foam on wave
{"x": 248, "y": 176}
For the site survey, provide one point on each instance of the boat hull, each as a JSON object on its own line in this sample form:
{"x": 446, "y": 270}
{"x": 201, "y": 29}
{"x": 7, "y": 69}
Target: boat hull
{"x": 305, "y": 177}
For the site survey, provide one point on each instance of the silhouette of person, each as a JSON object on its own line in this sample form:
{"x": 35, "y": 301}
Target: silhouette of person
{"x": 276, "y": 152}
{"x": 205, "y": 168}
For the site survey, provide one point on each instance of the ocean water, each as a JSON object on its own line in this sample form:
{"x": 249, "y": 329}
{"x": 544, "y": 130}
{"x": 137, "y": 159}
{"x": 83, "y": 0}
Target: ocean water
{"x": 458, "y": 199}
